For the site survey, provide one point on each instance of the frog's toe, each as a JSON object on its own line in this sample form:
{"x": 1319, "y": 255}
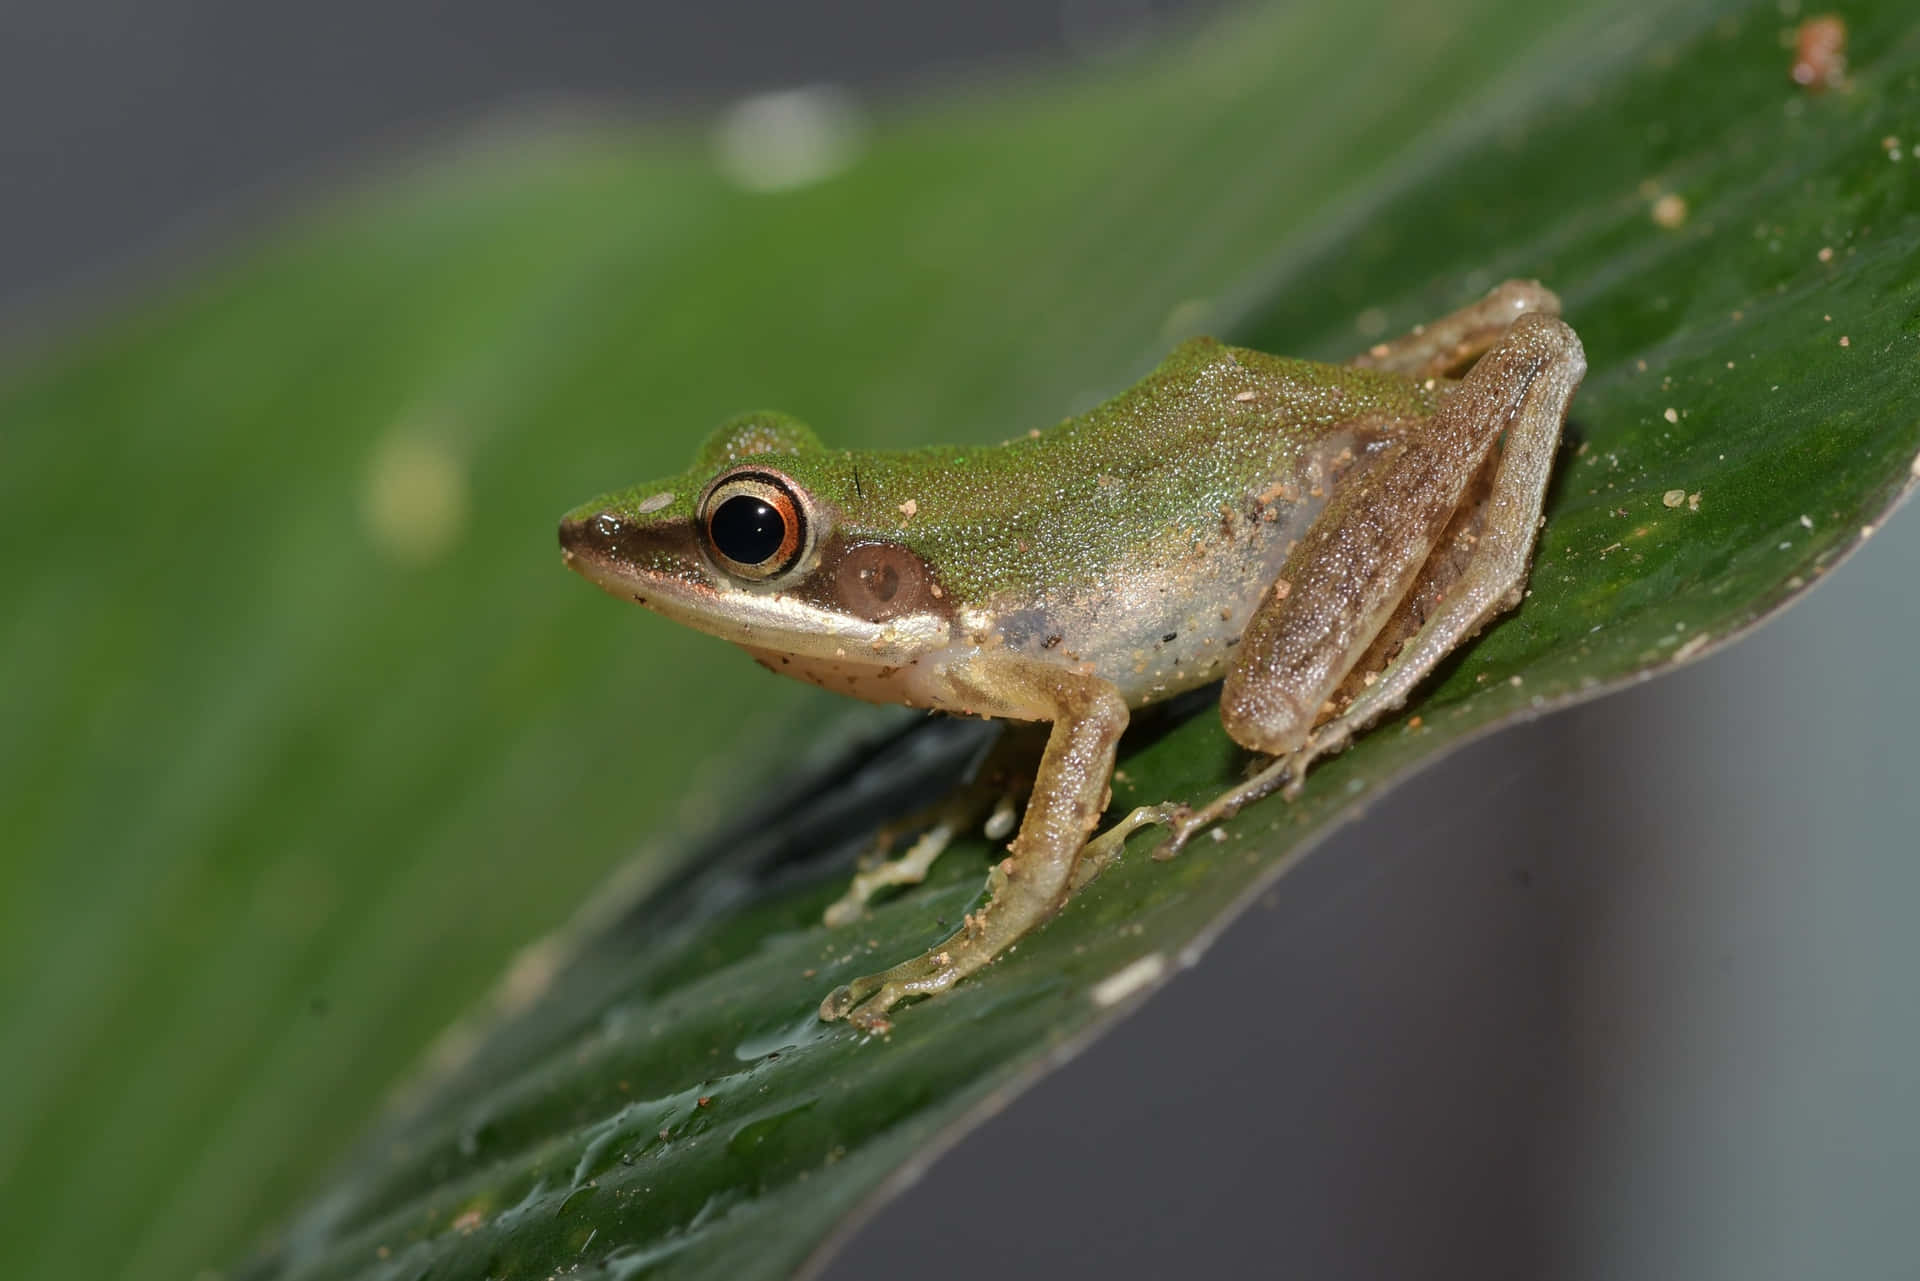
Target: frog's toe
{"x": 865, "y": 1001}
{"x": 938, "y": 824}
{"x": 1332, "y": 738}
{"x": 862, "y": 1001}
{"x": 1182, "y": 822}
{"x": 910, "y": 868}
{"x": 839, "y": 1003}
{"x": 870, "y": 1015}
{"x": 1280, "y": 774}
{"x": 1105, "y": 849}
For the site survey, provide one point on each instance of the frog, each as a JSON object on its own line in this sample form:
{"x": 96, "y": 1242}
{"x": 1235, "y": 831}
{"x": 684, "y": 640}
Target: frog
{"x": 1314, "y": 537}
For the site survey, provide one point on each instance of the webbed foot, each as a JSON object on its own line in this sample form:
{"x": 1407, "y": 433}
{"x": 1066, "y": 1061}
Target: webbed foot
{"x": 1282, "y": 774}
{"x": 865, "y": 1001}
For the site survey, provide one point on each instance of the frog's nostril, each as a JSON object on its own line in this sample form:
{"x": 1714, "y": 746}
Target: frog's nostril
{"x": 594, "y": 533}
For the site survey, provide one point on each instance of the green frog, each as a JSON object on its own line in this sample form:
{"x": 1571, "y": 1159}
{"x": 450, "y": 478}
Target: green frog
{"x": 1315, "y": 536}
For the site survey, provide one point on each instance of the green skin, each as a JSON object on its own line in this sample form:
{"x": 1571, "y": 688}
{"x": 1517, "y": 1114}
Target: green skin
{"x": 1047, "y": 508}
{"x": 1318, "y": 535}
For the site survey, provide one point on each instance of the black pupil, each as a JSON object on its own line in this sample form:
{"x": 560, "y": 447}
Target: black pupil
{"x": 747, "y": 529}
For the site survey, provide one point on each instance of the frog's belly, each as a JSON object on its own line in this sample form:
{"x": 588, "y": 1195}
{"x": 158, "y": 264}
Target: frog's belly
{"x": 1170, "y": 622}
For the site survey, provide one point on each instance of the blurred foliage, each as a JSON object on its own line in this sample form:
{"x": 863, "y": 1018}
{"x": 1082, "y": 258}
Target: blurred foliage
{"x": 306, "y": 728}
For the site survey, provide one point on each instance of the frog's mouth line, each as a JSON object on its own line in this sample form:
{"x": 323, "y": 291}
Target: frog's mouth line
{"x": 662, "y": 567}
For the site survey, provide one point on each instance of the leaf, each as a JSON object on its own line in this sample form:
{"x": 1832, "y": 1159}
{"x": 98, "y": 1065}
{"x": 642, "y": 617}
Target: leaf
{"x": 356, "y": 745}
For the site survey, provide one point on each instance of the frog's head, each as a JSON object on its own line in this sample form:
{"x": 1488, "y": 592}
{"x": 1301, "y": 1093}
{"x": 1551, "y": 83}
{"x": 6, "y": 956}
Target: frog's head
{"x": 758, "y": 543}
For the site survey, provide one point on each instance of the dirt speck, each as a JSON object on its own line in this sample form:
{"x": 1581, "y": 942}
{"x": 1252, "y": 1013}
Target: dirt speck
{"x": 1820, "y": 53}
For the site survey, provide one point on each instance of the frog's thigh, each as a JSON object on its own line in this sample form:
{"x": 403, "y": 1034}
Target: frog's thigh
{"x": 1446, "y": 345}
{"x": 1543, "y": 360}
{"x": 1025, "y": 889}
{"x": 1364, "y": 553}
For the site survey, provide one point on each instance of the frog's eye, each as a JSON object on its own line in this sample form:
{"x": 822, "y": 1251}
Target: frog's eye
{"x": 756, "y": 524}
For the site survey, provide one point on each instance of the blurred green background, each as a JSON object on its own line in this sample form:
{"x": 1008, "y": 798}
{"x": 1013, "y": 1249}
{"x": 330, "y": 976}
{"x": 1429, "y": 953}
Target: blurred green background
{"x": 306, "y": 731}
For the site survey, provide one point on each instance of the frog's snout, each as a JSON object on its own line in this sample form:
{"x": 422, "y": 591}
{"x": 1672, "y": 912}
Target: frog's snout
{"x": 619, "y": 552}
{"x": 607, "y": 536}
{"x": 584, "y": 536}
{"x": 588, "y": 543}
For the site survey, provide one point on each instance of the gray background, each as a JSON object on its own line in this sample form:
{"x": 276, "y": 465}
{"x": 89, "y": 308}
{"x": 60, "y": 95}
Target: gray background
{"x": 1628, "y": 993}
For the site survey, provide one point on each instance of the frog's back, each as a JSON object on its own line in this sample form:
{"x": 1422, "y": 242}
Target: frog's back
{"x": 1211, "y": 425}
{"x": 1138, "y": 537}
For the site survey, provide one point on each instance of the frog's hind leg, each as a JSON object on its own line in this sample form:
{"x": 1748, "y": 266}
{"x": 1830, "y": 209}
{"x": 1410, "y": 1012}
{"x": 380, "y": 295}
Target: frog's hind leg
{"x": 1373, "y": 549}
{"x": 1444, "y": 347}
{"x": 989, "y": 796}
{"x": 1491, "y": 576}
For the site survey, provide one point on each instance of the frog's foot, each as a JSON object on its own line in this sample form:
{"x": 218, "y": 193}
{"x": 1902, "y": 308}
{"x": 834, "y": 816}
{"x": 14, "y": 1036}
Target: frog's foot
{"x": 1020, "y": 894}
{"x": 1283, "y": 774}
{"x": 938, "y": 824}
{"x": 981, "y": 936}
{"x": 1280, "y": 774}
{"x": 865, "y": 1001}
{"x": 878, "y": 872}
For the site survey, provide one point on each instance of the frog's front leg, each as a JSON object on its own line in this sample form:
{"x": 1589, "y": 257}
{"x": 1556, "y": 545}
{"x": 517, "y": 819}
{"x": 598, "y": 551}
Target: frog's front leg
{"x": 1372, "y": 548}
{"x": 1031, "y": 884}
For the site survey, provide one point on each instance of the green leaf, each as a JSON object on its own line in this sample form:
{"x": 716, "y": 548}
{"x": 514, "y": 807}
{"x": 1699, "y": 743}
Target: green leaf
{"x": 307, "y": 727}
